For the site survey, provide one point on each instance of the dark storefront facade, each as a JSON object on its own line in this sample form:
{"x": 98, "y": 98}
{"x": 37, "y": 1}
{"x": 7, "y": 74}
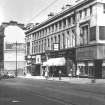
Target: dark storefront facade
{"x": 91, "y": 61}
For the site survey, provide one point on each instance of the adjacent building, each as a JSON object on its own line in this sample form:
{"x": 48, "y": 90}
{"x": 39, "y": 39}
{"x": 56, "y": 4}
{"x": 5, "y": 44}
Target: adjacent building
{"x": 14, "y": 60}
{"x": 71, "y": 40}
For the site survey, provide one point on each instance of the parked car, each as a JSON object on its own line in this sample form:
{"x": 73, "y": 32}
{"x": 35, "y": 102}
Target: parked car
{"x": 11, "y": 75}
{"x": 5, "y": 76}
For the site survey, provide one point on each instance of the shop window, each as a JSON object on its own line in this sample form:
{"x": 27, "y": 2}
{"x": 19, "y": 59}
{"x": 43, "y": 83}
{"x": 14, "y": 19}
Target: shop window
{"x": 102, "y": 32}
{"x": 93, "y": 33}
{"x": 91, "y": 71}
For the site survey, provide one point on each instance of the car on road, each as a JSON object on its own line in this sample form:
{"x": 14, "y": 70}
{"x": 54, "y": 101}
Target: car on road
{"x": 11, "y": 75}
{"x": 5, "y": 76}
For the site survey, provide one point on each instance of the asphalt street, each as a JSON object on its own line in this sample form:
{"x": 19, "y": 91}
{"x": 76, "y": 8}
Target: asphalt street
{"x": 20, "y": 91}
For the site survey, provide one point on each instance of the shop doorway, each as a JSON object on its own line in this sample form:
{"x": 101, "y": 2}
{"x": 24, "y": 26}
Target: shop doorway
{"x": 98, "y": 69}
{"x": 35, "y": 70}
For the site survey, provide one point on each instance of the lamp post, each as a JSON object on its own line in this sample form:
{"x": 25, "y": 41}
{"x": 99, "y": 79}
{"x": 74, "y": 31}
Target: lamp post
{"x": 16, "y": 59}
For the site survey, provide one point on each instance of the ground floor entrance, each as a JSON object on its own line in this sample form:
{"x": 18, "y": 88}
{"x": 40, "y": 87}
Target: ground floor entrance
{"x": 63, "y": 60}
{"x": 35, "y": 70}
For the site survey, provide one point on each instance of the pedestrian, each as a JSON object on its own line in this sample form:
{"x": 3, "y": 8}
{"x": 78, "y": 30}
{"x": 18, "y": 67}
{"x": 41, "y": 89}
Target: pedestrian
{"x": 70, "y": 75}
{"x": 78, "y": 72}
{"x": 46, "y": 74}
{"x": 24, "y": 74}
{"x": 60, "y": 73}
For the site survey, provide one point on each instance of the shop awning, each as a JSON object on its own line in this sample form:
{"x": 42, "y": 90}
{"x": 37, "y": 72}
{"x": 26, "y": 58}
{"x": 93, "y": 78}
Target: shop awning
{"x": 55, "y": 62}
{"x": 44, "y": 64}
{"x": 59, "y": 61}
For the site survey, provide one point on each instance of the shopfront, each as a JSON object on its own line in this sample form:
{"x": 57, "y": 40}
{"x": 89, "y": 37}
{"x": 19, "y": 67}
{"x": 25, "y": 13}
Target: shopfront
{"x": 63, "y": 60}
{"x": 35, "y": 65}
{"x": 90, "y": 60}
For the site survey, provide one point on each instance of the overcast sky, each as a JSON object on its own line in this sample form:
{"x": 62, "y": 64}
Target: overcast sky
{"x": 27, "y": 11}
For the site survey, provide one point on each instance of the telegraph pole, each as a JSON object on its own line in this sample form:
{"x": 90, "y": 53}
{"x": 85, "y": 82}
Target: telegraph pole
{"x": 16, "y": 59}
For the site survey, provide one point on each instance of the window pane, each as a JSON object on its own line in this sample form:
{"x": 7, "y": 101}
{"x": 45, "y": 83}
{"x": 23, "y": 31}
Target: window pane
{"x": 93, "y": 33}
{"x": 102, "y": 32}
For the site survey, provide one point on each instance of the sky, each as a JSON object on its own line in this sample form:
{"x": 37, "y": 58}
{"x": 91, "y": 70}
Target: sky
{"x": 29, "y": 11}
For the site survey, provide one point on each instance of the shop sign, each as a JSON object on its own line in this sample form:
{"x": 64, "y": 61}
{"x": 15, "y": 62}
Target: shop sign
{"x": 90, "y": 64}
{"x": 56, "y": 46}
{"x": 38, "y": 59}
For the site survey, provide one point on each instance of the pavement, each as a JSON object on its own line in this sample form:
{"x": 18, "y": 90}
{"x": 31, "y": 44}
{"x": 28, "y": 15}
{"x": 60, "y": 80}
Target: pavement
{"x": 67, "y": 79}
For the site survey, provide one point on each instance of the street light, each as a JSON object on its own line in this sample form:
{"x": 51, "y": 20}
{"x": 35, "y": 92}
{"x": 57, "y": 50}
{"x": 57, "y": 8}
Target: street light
{"x": 16, "y": 59}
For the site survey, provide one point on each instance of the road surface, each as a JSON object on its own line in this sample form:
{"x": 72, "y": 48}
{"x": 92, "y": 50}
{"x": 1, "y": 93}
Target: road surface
{"x": 20, "y": 91}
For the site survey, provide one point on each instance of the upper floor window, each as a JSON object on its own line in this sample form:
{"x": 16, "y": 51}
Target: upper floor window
{"x": 64, "y": 22}
{"x": 104, "y": 8}
{"x": 48, "y": 42}
{"x": 63, "y": 40}
{"x": 84, "y": 35}
{"x": 49, "y": 29}
{"x": 56, "y": 26}
{"x": 80, "y": 14}
{"x": 90, "y": 10}
{"x": 85, "y": 10}
{"x": 73, "y": 19}
{"x": 60, "y": 25}
{"x": 53, "y": 28}
{"x": 55, "y": 39}
{"x": 68, "y": 20}
{"x": 102, "y": 32}
{"x": 93, "y": 33}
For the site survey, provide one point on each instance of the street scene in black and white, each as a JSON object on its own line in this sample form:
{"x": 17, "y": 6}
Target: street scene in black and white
{"x": 52, "y": 52}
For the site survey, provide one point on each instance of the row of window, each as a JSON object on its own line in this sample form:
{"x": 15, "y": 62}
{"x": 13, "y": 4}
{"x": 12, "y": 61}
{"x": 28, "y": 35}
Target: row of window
{"x": 64, "y": 40}
{"x": 62, "y": 24}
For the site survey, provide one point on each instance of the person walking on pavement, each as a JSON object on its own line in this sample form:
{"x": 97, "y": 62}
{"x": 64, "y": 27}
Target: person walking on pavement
{"x": 60, "y": 73}
{"x": 70, "y": 73}
{"x": 46, "y": 73}
{"x": 78, "y": 72}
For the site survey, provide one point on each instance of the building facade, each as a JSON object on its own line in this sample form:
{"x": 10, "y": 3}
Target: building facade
{"x": 2, "y": 35}
{"x": 14, "y": 58}
{"x": 76, "y": 36}
{"x": 1, "y": 49}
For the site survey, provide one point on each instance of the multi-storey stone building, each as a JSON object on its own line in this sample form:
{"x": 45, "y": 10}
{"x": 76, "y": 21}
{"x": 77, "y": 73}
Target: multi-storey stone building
{"x": 70, "y": 40}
